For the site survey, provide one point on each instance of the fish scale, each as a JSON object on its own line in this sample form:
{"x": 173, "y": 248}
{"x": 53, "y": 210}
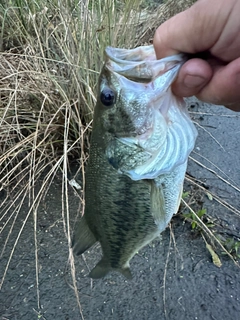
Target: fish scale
{"x": 140, "y": 142}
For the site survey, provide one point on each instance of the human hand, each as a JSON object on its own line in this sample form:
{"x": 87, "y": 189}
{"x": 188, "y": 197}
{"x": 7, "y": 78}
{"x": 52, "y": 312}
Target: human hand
{"x": 211, "y": 26}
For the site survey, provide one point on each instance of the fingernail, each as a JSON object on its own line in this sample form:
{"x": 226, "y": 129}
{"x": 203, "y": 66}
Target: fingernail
{"x": 191, "y": 81}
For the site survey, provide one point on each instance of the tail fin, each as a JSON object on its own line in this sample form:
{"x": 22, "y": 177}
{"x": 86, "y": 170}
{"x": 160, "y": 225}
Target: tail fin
{"x": 83, "y": 237}
{"x": 102, "y": 269}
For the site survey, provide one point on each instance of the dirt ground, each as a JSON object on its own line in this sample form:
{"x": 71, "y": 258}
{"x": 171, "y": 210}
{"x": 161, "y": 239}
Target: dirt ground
{"x": 174, "y": 277}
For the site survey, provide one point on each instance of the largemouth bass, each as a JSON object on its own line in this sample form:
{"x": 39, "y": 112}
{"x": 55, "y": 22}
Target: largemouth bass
{"x": 140, "y": 143}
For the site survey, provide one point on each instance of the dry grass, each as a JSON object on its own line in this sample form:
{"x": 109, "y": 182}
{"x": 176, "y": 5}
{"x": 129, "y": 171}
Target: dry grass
{"x": 50, "y": 57}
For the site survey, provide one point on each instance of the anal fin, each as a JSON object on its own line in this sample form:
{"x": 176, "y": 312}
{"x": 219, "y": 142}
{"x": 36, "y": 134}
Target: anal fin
{"x": 83, "y": 237}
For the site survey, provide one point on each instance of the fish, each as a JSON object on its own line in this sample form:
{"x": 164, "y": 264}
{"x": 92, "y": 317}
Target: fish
{"x": 141, "y": 138}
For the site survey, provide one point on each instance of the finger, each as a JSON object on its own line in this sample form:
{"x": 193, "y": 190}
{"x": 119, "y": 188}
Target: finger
{"x": 224, "y": 86}
{"x": 234, "y": 106}
{"x": 192, "y": 77}
{"x": 193, "y": 30}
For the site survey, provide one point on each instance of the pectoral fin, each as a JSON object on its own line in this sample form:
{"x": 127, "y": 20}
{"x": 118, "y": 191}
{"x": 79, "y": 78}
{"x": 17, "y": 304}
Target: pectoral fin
{"x": 83, "y": 238}
{"x": 166, "y": 191}
{"x": 158, "y": 205}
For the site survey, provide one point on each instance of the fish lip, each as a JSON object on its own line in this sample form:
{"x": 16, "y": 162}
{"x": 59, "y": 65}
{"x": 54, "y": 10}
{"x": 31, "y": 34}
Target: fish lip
{"x": 146, "y": 66}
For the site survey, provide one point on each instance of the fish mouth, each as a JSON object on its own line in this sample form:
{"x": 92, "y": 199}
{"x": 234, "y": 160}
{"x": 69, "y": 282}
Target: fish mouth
{"x": 142, "y": 80}
{"x": 140, "y": 64}
{"x": 162, "y": 134}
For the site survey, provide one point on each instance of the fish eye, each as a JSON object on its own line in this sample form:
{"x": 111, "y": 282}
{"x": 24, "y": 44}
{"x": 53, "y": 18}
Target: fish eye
{"x": 107, "y": 97}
